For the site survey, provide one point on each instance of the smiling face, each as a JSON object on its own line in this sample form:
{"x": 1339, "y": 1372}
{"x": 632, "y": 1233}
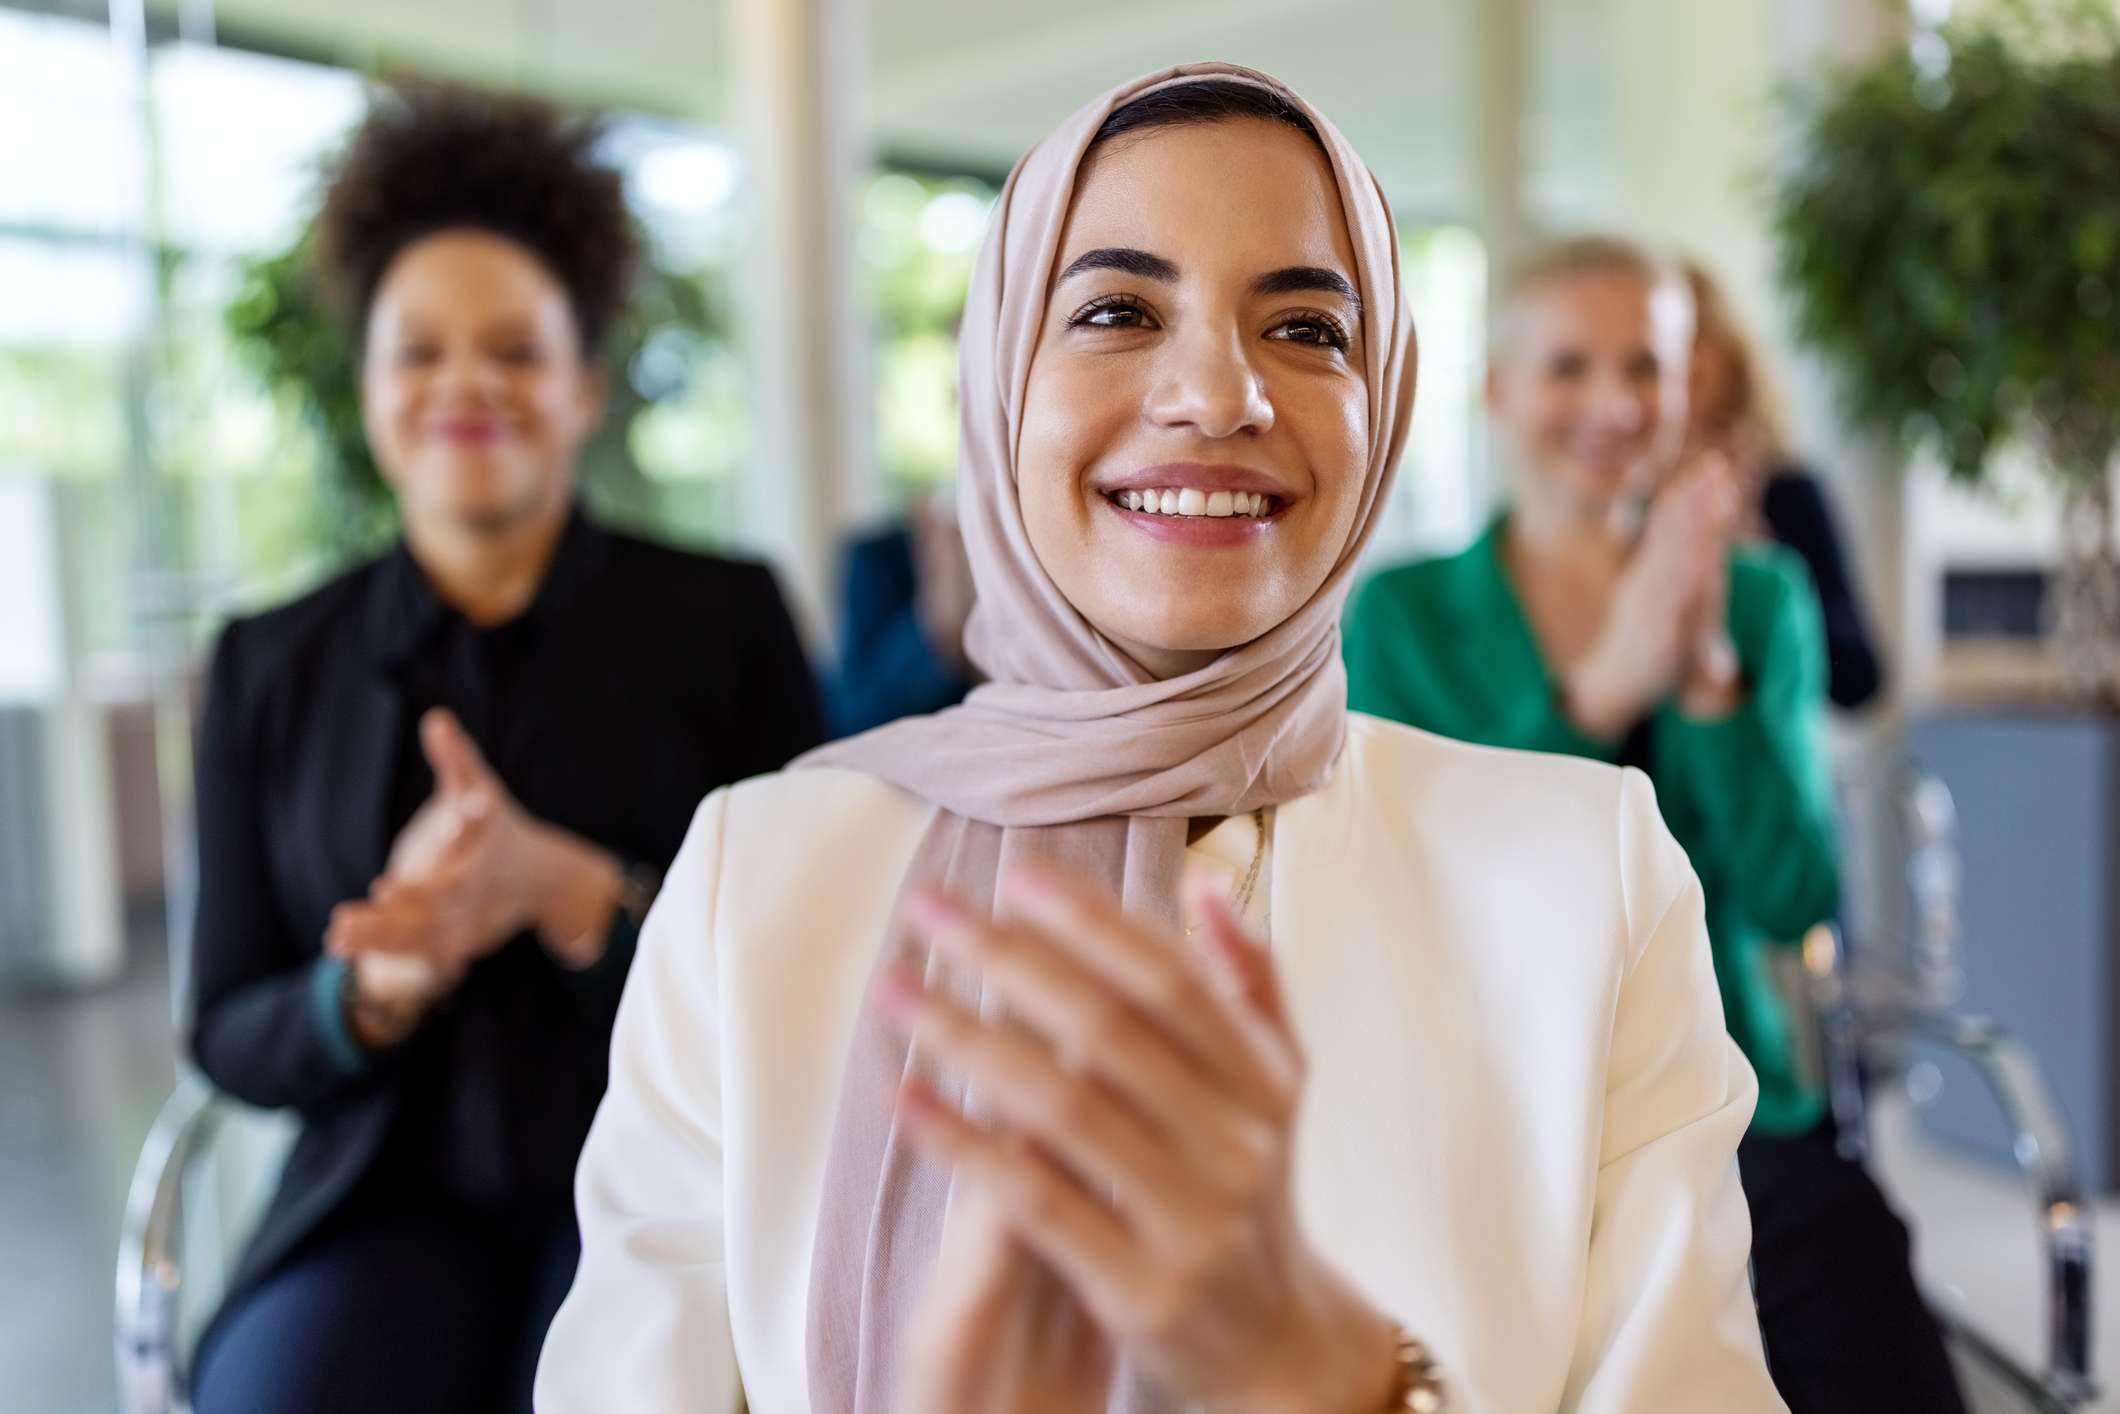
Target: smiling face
{"x": 474, "y": 392}
{"x": 1195, "y": 427}
{"x": 1589, "y": 383}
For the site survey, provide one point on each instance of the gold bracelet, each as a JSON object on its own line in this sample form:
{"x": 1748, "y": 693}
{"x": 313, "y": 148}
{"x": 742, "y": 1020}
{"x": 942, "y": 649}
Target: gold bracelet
{"x": 1420, "y": 1383}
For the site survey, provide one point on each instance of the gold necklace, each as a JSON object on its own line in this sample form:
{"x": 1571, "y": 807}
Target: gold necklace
{"x": 1242, "y": 900}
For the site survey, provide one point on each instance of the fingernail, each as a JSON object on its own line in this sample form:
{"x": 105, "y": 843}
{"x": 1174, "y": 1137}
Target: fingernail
{"x": 1032, "y": 881}
{"x": 931, "y": 909}
{"x": 898, "y": 995}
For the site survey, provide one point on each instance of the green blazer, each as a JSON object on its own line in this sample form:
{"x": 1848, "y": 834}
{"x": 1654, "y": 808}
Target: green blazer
{"x": 1443, "y": 645}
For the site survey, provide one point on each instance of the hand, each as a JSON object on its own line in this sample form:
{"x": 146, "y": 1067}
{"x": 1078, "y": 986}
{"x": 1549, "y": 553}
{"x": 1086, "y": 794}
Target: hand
{"x": 996, "y": 1330}
{"x": 389, "y": 991}
{"x": 473, "y": 868}
{"x": 1711, "y": 686}
{"x": 1141, "y": 1146}
{"x": 1668, "y": 609}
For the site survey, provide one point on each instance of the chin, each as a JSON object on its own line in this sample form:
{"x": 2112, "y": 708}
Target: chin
{"x": 484, "y": 496}
{"x": 1598, "y": 486}
{"x": 1194, "y": 626}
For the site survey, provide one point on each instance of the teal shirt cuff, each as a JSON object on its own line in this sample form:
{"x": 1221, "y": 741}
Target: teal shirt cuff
{"x": 327, "y": 1008}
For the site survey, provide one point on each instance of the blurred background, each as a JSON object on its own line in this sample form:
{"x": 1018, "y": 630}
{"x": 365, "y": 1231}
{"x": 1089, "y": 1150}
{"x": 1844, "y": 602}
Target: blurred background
{"x": 179, "y": 441}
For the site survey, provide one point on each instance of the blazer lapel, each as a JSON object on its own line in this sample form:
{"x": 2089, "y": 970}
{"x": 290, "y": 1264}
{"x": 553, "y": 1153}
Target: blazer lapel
{"x": 367, "y": 724}
{"x": 358, "y": 827}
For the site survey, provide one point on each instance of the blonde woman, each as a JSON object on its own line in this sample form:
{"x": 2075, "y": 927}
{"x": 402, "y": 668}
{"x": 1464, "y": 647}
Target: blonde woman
{"x": 1613, "y": 610}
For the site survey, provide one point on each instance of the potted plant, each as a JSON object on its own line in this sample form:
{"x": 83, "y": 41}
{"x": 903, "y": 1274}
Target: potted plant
{"x": 1949, "y": 233}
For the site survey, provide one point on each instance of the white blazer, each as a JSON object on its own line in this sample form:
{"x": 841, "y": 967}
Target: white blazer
{"x": 1518, "y": 1138}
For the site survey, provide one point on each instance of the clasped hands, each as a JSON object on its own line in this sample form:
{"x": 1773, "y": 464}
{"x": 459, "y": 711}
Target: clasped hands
{"x": 1128, "y": 1188}
{"x": 1664, "y": 635}
{"x": 470, "y": 870}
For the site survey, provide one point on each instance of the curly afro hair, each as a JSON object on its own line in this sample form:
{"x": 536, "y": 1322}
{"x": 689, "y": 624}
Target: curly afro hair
{"x": 433, "y": 156}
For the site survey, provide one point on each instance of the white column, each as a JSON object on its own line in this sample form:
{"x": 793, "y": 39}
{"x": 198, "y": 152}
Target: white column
{"x": 1503, "y": 39}
{"x": 798, "y": 68}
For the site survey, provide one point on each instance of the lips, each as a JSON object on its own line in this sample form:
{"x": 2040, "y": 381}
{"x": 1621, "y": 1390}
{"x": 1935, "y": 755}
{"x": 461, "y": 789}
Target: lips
{"x": 1198, "y": 476}
{"x": 468, "y": 431}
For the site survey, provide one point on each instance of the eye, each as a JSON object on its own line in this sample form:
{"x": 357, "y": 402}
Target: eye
{"x": 521, "y": 355}
{"x": 416, "y": 355}
{"x": 1313, "y": 326}
{"x": 1566, "y": 367}
{"x": 1112, "y": 312}
{"x": 1643, "y": 368}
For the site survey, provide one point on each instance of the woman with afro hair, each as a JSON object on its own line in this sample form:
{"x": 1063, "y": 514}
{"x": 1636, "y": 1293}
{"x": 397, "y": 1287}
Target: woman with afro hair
{"x": 435, "y": 795}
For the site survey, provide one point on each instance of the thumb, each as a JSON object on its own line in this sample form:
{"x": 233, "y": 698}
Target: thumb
{"x": 458, "y": 766}
{"x": 1239, "y": 966}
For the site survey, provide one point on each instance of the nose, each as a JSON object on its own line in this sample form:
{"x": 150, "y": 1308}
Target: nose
{"x": 1617, "y": 404}
{"x": 467, "y": 373}
{"x": 1207, "y": 385}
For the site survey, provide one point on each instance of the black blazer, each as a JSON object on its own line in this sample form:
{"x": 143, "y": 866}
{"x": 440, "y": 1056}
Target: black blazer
{"x": 679, "y": 673}
{"x": 1793, "y": 504}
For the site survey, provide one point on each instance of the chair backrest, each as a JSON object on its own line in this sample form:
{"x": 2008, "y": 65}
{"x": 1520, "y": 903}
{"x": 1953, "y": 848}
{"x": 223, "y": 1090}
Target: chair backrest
{"x": 232, "y": 1178}
{"x": 203, "y": 1178}
{"x": 1900, "y": 880}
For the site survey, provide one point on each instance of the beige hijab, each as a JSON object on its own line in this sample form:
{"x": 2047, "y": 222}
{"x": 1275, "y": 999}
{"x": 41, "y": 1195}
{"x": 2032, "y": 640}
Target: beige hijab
{"x": 1070, "y": 752}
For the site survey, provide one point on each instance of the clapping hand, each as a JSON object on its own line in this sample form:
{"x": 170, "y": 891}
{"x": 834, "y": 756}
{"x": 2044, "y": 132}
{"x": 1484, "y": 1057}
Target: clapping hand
{"x": 1138, "y": 1160}
{"x": 1664, "y": 633}
{"x": 470, "y": 870}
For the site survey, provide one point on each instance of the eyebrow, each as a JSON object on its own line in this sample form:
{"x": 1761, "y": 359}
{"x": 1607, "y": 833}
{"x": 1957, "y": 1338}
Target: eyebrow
{"x": 1296, "y": 279}
{"x": 1126, "y": 260}
{"x": 1291, "y": 279}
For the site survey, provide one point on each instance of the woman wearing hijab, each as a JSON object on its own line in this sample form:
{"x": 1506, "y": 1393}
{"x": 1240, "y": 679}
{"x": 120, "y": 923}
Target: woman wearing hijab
{"x": 930, "y": 1094}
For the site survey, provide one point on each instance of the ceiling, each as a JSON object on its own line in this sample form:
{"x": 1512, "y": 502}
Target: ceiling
{"x": 971, "y": 83}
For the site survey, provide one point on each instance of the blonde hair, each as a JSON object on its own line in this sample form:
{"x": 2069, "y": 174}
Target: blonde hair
{"x": 1752, "y": 401}
{"x": 1572, "y": 256}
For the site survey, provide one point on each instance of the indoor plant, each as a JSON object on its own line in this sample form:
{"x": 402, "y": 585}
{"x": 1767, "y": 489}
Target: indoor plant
{"x": 1949, "y": 229}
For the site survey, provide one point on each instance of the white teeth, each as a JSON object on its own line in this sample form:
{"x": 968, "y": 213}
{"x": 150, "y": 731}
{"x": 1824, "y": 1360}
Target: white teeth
{"x": 1193, "y": 502}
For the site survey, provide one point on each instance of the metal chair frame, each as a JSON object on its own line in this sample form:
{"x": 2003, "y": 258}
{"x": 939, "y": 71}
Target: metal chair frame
{"x": 1866, "y": 1016}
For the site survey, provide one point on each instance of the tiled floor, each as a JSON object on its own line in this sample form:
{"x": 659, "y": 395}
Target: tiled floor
{"x": 81, "y": 1078}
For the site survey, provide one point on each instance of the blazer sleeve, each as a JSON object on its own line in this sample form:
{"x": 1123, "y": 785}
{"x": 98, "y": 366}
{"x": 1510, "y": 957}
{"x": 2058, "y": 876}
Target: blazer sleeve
{"x": 1761, "y": 777}
{"x": 265, "y": 1023}
{"x": 1667, "y": 1318}
{"x": 646, "y": 1324}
